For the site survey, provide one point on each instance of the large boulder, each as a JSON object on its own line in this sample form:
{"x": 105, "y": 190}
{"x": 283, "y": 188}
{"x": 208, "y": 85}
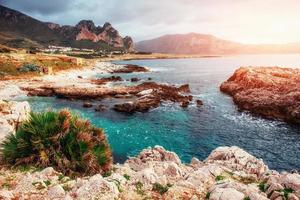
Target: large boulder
{"x": 96, "y": 188}
{"x": 238, "y": 160}
{"x": 12, "y": 113}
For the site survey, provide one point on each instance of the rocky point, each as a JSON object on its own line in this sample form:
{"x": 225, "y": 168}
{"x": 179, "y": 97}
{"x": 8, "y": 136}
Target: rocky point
{"x": 271, "y": 92}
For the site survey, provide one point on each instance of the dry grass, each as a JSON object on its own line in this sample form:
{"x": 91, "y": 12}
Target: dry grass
{"x": 10, "y": 62}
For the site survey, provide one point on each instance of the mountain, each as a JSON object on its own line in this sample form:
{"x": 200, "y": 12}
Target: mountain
{"x": 20, "y": 30}
{"x": 202, "y": 44}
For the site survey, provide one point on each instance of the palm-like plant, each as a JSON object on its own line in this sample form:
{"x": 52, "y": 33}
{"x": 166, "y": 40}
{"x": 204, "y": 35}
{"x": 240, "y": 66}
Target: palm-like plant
{"x": 61, "y": 140}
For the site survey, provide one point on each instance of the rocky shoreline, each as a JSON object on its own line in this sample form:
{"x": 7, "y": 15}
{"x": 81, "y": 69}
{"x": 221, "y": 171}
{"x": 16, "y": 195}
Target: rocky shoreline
{"x": 227, "y": 173}
{"x": 271, "y": 92}
{"x": 141, "y": 95}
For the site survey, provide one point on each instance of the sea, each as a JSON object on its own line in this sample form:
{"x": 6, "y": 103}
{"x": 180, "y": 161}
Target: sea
{"x": 193, "y": 131}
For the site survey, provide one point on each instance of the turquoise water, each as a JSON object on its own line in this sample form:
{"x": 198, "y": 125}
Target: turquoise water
{"x": 195, "y": 132}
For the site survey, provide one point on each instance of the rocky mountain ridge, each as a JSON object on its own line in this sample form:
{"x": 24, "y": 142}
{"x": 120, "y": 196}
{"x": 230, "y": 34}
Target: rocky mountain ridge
{"x": 17, "y": 28}
{"x": 203, "y": 44}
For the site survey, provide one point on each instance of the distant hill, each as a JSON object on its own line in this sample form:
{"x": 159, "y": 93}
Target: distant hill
{"x": 22, "y": 31}
{"x": 201, "y": 44}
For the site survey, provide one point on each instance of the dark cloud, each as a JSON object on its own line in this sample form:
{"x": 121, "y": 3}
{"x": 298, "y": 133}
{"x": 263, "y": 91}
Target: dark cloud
{"x": 240, "y": 20}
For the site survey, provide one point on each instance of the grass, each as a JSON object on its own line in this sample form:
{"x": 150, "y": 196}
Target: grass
{"x": 161, "y": 189}
{"x": 139, "y": 188}
{"x": 47, "y": 182}
{"x": 286, "y": 192}
{"x": 207, "y": 195}
{"x": 61, "y": 140}
{"x": 220, "y": 178}
{"x": 127, "y": 177}
{"x": 263, "y": 186}
{"x": 9, "y": 66}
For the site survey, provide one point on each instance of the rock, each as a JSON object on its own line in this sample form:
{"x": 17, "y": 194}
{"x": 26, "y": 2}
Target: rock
{"x": 147, "y": 176}
{"x": 184, "y": 88}
{"x": 149, "y": 94}
{"x": 199, "y": 103}
{"x": 56, "y": 192}
{"x": 107, "y": 79}
{"x": 135, "y": 79}
{"x": 226, "y": 194}
{"x": 97, "y": 188}
{"x": 277, "y": 182}
{"x": 80, "y": 77}
{"x": 87, "y": 105}
{"x": 149, "y": 155}
{"x": 9, "y": 91}
{"x": 135, "y": 179}
{"x": 128, "y": 107}
{"x": 131, "y": 69}
{"x": 6, "y": 195}
{"x": 149, "y": 79}
{"x": 185, "y": 104}
{"x": 11, "y": 115}
{"x": 237, "y": 159}
{"x": 271, "y": 92}
{"x": 123, "y": 96}
{"x": 100, "y": 108}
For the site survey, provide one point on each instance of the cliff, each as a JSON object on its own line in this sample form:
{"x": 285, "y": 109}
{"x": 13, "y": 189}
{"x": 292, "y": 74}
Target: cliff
{"x": 227, "y": 173}
{"x": 271, "y": 92}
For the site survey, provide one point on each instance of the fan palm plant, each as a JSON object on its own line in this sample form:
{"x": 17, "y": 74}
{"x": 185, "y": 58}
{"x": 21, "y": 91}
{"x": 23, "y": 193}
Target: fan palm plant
{"x": 61, "y": 140}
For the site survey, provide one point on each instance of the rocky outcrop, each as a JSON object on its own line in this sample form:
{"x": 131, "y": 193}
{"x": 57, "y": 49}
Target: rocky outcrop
{"x": 104, "y": 80}
{"x": 228, "y": 173}
{"x": 86, "y": 30}
{"x": 150, "y": 95}
{"x": 130, "y": 69}
{"x": 271, "y": 92}
{"x": 11, "y": 115}
{"x": 144, "y": 96}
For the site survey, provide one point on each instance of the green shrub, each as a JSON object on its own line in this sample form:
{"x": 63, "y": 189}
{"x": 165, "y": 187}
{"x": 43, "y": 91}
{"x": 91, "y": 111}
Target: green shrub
{"x": 161, "y": 189}
{"x": 263, "y": 186}
{"x": 29, "y": 68}
{"x": 286, "y": 192}
{"x": 207, "y": 196}
{"x": 127, "y": 177}
{"x": 61, "y": 140}
{"x": 219, "y": 178}
{"x": 139, "y": 188}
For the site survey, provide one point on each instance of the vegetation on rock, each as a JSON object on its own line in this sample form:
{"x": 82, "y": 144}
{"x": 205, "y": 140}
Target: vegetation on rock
{"x": 59, "y": 139}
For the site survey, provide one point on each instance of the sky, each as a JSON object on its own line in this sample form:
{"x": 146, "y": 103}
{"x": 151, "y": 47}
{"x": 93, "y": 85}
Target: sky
{"x": 246, "y": 21}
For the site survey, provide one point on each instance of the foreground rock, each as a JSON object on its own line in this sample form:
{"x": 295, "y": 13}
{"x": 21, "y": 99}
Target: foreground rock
{"x": 11, "y": 115}
{"x": 227, "y": 173}
{"x": 271, "y": 92}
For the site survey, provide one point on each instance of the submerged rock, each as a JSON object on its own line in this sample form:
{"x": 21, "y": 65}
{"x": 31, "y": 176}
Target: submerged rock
{"x": 107, "y": 79}
{"x": 199, "y": 103}
{"x": 100, "y": 108}
{"x": 271, "y": 92}
{"x": 135, "y": 79}
{"x": 87, "y": 104}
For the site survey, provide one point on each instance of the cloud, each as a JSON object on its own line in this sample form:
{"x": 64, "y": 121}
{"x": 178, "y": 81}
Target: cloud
{"x": 240, "y": 20}
{"x": 37, "y": 6}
